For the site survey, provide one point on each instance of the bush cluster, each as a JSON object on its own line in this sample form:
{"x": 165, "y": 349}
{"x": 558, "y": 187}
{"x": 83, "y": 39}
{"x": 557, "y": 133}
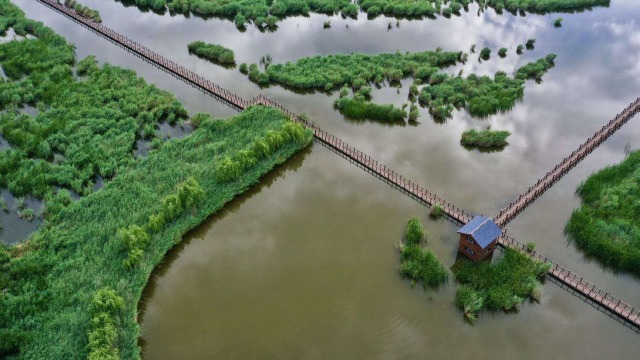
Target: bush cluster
{"x": 486, "y": 138}
{"x": 499, "y": 286}
{"x": 359, "y": 108}
{"x": 418, "y": 263}
{"x": 231, "y": 168}
{"x": 607, "y": 224}
{"x": 215, "y": 53}
{"x": 105, "y": 309}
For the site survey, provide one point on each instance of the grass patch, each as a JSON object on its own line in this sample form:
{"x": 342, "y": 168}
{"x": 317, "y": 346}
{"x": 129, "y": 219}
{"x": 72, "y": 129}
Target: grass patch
{"x": 418, "y": 263}
{"x": 215, "y": 53}
{"x": 485, "y": 138}
{"x": 436, "y": 212}
{"x": 607, "y": 224}
{"x": 502, "y": 285}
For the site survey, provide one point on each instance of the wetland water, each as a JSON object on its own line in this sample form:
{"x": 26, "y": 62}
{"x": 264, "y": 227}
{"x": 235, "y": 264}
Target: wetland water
{"x": 304, "y": 266}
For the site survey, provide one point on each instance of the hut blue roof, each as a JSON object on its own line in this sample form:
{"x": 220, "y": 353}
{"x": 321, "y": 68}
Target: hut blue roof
{"x": 483, "y": 230}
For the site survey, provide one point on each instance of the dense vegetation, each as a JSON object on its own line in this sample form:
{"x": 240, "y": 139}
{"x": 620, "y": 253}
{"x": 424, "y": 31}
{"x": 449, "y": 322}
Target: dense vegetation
{"x": 499, "y": 286}
{"x": 84, "y": 10}
{"x": 71, "y": 291}
{"x": 215, "y": 53}
{"x": 418, "y": 263}
{"x": 480, "y": 95}
{"x": 84, "y": 127}
{"x": 355, "y": 70}
{"x": 485, "y": 138}
{"x": 266, "y": 13}
{"x": 607, "y": 225}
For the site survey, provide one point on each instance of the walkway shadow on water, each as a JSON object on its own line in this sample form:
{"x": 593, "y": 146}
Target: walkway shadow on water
{"x": 291, "y": 165}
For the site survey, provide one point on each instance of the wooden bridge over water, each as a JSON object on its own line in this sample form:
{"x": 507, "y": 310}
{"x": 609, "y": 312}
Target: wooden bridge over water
{"x": 568, "y": 279}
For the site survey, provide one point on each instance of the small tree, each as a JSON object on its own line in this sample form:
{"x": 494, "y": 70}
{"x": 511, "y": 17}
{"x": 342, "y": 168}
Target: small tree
{"x": 502, "y": 52}
{"x": 485, "y": 53}
{"x": 558, "y": 22}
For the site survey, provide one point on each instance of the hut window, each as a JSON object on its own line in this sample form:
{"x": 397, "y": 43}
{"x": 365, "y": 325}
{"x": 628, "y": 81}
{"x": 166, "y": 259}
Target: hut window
{"x": 468, "y": 250}
{"x": 469, "y": 239}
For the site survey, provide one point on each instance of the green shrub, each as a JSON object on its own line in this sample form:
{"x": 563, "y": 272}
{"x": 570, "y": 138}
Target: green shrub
{"x": 436, "y": 212}
{"x": 558, "y": 22}
{"x": 105, "y": 310}
{"x": 414, "y": 233}
{"x": 485, "y": 139}
{"x": 215, "y": 53}
{"x": 359, "y": 108}
{"x": 422, "y": 265}
{"x": 502, "y": 52}
{"x": 485, "y": 53}
{"x": 530, "y": 44}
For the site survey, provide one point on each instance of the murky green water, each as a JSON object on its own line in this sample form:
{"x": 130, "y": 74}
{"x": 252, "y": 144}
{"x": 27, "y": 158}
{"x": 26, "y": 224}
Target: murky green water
{"x": 304, "y": 266}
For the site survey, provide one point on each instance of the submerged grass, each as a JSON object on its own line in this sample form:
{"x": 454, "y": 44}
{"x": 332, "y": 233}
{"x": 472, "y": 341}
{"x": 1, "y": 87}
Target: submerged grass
{"x": 502, "y": 285}
{"x": 607, "y": 224}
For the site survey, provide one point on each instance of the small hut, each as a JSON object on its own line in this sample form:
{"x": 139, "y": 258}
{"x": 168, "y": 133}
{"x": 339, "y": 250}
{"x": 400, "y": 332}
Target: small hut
{"x": 478, "y": 238}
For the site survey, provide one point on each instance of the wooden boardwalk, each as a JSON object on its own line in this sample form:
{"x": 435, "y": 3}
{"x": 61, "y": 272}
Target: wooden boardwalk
{"x": 576, "y": 283}
{"x": 543, "y": 184}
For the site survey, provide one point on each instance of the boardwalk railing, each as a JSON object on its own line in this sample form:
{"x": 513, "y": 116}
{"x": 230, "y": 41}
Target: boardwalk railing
{"x": 571, "y": 280}
{"x": 543, "y": 184}
{"x": 578, "y": 283}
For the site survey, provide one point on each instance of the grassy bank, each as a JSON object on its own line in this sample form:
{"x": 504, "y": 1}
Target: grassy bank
{"x": 71, "y": 291}
{"x": 485, "y": 138}
{"x": 502, "y": 285}
{"x": 607, "y": 224}
{"x": 215, "y": 53}
{"x": 115, "y": 237}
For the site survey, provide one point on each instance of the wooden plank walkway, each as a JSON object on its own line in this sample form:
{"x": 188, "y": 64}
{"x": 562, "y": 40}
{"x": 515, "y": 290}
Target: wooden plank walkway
{"x": 543, "y": 184}
{"x": 568, "y": 278}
